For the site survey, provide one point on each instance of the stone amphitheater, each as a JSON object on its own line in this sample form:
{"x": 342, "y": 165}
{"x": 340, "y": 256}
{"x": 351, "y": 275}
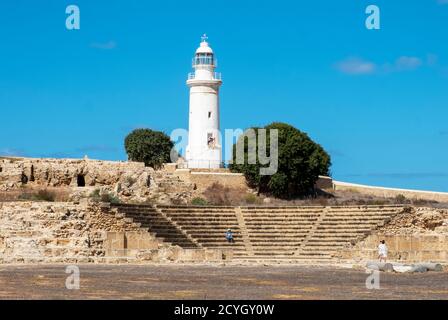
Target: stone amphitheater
{"x": 167, "y": 230}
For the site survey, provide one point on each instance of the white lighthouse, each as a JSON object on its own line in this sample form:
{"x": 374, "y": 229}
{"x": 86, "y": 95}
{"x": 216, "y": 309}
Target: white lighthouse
{"x": 204, "y": 140}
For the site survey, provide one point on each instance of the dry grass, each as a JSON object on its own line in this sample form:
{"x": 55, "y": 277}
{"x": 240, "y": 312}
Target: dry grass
{"x": 219, "y": 195}
{"x": 349, "y": 198}
{"x": 36, "y": 194}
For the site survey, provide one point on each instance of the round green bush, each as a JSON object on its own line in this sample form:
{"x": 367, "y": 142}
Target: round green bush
{"x": 300, "y": 162}
{"x": 148, "y": 146}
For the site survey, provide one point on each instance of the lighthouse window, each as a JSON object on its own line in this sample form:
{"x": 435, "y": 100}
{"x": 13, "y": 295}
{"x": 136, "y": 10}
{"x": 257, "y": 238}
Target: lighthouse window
{"x": 202, "y": 59}
{"x": 209, "y": 115}
{"x": 210, "y": 140}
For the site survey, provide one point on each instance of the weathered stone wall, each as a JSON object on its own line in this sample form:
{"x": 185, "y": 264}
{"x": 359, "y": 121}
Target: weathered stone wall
{"x": 40, "y": 232}
{"x": 65, "y": 172}
{"x": 416, "y": 235}
{"x": 129, "y": 244}
{"x": 203, "y": 179}
{"x": 56, "y": 232}
{"x": 144, "y": 248}
{"x": 391, "y": 192}
{"x": 402, "y": 248}
{"x": 129, "y": 181}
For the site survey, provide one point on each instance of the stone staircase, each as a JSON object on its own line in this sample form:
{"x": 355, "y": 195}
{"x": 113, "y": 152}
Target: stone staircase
{"x": 311, "y": 234}
{"x": 277, "y": 232}
{"x": 158, "y": 223}
{"x": 342, "y": 226}
{"x": 265, "y": 234}
{"x": 208, "y": 226}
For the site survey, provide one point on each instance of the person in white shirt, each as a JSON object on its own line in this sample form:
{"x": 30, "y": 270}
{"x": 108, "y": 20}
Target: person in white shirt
{"x": 382, "y": 251}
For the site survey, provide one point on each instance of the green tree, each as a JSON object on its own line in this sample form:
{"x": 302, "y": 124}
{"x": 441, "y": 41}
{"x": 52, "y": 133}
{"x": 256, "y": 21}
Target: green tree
{"x": 148, "y": 146}
{"x": 300, "y": 162}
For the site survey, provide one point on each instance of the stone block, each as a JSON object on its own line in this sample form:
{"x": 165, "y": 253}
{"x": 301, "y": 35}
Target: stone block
{"x": 429, "y": 243}
{"x": 192, "y": 255}
{"x": 227, "y": 254}
{"x": 402, "y": 243}
{"x": 114, "y": 241}
{"x": 416, "y": 244}
{"x": 140, "y": 241}
{"x": 213, "y": 255}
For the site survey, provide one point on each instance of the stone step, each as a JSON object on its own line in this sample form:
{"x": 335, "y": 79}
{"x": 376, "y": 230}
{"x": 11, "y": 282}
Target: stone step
{"x": 281, "y": 209}
{"x": 274, "y": 237}
{"x": 184, "y": 207}
{"x": 213, "y": 235}
{"x": 199, "y": 213}
{"x": 305, "y": 213}
{"x": 343, "y": 228}
{"x": 282, "y": 217}
{"x": 310, "y": 254}
{"x": 205, "y": 222}
{"x": 314, "y": 251}
{"x": 348, "y": 236}
{"x": 329, "y": 239}
{"x": 280, "y": 222}
{"x": 275, "y": 250}
{"x": 279, "y": 228}
{"x": 224, "y": 242}
{"x": 285, "y": 261}
{"x": 202, "y": 217}
{"x": 214, "y": 228}
{"x": 139, "y": 211}
{"x": 352, "y": 221}
{"x": 359, "y": 213}
{"x": 277, "y": 232}
{"x": 139, "y": 214}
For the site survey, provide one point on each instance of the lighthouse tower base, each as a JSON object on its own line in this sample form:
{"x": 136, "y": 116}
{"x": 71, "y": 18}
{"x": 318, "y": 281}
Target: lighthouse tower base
{"x": 204, "y": 159}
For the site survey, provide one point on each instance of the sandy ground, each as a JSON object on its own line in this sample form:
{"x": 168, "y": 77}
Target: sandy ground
{"x": 214, "y": 282}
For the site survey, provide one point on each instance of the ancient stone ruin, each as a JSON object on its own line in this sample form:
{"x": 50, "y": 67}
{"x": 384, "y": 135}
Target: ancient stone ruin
{"x": 129, "y": 181}
{"x": 152, "y": 221}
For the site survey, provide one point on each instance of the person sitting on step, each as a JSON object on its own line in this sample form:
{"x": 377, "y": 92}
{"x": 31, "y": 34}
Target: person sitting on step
{"x": 229, "y": 236}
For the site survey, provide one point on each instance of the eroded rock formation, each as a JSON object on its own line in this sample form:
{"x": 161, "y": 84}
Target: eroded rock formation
{"x": 128, "y": 181}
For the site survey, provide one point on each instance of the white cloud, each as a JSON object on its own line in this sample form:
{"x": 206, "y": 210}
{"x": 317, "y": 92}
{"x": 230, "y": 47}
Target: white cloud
{"x": 104, "y": 45}
{"x": 356, "y": 66}
{"x": 407, "y": 63}
{"x": 11, "y": 152}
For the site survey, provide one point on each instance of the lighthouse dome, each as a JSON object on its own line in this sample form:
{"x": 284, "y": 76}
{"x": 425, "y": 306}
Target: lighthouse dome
{"x": 204, "y": 48}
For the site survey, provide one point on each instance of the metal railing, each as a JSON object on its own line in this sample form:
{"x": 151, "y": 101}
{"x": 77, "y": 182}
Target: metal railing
{"x": 205, "y": 164}
{"x": 216, "y": 76}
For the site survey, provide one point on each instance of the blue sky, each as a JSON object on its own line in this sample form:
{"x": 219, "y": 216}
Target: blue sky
{"x": 377, "y": 100}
